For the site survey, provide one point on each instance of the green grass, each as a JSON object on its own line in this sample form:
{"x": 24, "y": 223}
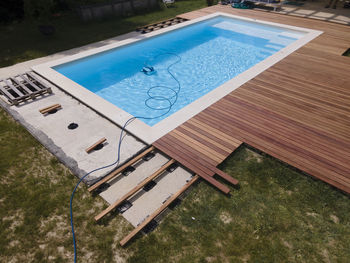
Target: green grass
{"x": 22, "y": 41}
{"x": 277, "y": 214}
{"x": 347, "y": 53}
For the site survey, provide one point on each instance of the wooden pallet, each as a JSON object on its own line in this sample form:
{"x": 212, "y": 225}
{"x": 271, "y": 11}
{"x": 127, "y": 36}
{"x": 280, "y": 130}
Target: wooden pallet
{"x": 23, "y": 87}
{"x": 159, "y": 25}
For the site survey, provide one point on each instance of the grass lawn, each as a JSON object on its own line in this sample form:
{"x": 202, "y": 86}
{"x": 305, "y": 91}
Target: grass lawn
{"x": 22, "y": 41}
{"x": 277, "y": 215}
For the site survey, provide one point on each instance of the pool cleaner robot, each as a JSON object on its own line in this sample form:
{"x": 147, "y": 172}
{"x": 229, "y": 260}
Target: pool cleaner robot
{"x": 148, "y": 70}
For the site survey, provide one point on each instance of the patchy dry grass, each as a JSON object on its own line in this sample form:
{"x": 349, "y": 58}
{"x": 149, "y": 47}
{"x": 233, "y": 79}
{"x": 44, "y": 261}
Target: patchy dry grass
{"x": 34, "y": 209}
{"x": 277, "y": 215}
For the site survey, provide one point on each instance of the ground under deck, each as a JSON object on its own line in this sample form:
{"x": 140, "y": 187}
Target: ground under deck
{"x": 297, "y": 111}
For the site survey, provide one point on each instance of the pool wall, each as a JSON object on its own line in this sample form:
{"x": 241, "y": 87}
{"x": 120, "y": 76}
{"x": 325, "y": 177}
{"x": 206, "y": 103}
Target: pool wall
{"x": 138, "y": 128}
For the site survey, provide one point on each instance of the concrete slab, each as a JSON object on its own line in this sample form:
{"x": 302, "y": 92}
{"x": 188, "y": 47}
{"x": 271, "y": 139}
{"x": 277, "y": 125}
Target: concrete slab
{"x": 51, "y": 130}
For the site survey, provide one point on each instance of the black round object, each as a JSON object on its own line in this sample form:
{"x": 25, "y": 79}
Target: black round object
{"x": 98, "y": 147}
{"x": 73, "y": 126}
{"x": 52, "y": 111}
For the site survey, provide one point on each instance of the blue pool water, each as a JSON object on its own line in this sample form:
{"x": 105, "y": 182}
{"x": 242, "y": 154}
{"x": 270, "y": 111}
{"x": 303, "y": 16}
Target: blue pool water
{"x": 203, "y": 56}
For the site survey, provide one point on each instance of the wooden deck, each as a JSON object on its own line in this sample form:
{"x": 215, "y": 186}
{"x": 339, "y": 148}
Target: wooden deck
{"x": 297, "y": 111}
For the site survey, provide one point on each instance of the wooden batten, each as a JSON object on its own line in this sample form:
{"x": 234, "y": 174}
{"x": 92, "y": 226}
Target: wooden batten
{"x": 50, "y": 108}
{"x": 92, "y": 147}
{"x": 133, "y": 233}
{"x": 134, "y": 190}
{"x": 120, "y": 169}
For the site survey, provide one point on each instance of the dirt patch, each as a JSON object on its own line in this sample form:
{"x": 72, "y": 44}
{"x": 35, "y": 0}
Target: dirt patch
{"x": 325, "y": 256}
{"x": 210, "y": 259}
{"x": 225, "y": 218}
{"x": 334, "y": 218}
{"x": 253, "y": 156}
{"x": 246, "y": 258}
{"x": 313, "y": 214}
{"x": 287, "y": 244}
{"x": 16, "y": 220}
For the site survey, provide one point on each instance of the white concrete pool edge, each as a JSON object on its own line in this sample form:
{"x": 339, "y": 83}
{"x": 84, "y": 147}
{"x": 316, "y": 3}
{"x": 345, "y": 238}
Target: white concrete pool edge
{"x": 138, "y": 128}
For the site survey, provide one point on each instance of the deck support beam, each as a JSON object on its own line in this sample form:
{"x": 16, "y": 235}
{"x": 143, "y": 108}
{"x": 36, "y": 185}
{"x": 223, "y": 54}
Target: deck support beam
{"x": 133, "y": 233}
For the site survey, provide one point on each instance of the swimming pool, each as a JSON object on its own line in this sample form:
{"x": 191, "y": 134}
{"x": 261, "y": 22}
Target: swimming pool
{"x": 195, "y": 64}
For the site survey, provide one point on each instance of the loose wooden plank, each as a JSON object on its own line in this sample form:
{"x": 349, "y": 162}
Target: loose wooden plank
{"x": 134, "y": 190}
{"x": 133, "y": 233}
{"x": 120, "y": 169}
{"x": 92, "y": 147}
{"x": 50, "y": 108}
{"x": 225, "y": 176}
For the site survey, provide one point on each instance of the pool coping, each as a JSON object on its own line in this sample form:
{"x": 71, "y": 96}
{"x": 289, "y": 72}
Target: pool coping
{"x": 138, "y": 128}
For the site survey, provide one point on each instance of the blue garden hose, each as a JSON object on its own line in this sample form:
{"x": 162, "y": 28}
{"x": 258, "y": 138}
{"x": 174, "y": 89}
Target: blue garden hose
{"x": 170, "y": 100}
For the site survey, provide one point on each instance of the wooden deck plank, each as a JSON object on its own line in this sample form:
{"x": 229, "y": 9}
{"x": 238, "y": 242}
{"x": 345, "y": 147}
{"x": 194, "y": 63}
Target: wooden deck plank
{"x": 314, "y": 152}
{"x": 255, "y": 132}
{"x": 292, "y": 130}
{"x": 282, "y": 152}
{"x": 297, "y": 110}
{"x": 201, "y": 171}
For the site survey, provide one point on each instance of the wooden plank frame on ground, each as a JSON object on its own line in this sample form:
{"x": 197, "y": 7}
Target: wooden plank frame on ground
{"x": 134, "y": 190}
{"x": 120, "y": 169}
{"x": 133, "y": 233}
